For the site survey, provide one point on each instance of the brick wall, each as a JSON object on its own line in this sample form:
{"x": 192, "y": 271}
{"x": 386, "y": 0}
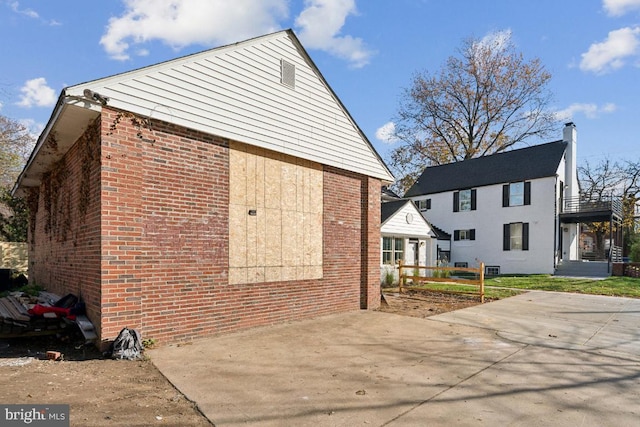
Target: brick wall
{"x": 629, "y": 269}
{"x": 371, "y": 247}
{"x": 164, "y": 227}
{"x": 162, "y": 259}
{"x": 64, "y": 231}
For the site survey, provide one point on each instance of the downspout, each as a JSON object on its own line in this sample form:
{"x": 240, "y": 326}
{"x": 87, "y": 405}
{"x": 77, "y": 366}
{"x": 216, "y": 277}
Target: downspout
{"x": 610, "y": 243}
{"x": 556, "y": 225}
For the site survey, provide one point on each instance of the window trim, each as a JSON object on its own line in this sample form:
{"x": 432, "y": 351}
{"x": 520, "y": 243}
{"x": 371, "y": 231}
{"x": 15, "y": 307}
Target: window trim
{"x": 506, "y": 238}
{"x": 506, "y": 196}
{"x": 471, "y": 232}
{"x": 489, "y": 268}
{"x": 393, "y": 252}
{"x": 423, "y": 205}
{"x": 456, "y": 200}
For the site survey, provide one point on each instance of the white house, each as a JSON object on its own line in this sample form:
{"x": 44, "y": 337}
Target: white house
{"x": 405, "y": 235}
{"x": 504, "y": 209}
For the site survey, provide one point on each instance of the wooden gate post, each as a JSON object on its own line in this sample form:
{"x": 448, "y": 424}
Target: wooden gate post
{"x": 400, "y": 276}
{"x": 482, "y": 282}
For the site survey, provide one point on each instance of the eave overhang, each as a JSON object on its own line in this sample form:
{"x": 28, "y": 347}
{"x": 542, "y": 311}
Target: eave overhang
{"x": 69, "y": 120}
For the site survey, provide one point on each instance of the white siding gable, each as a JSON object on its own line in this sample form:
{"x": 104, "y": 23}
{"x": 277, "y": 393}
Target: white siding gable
{"x": 397, "y": 224}
{"x": 236, "y": 92}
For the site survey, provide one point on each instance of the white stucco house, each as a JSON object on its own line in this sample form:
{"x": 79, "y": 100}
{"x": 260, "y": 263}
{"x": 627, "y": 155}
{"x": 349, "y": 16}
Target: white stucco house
{"x": 405, "y": 235}
{"x": 504, "y": 209}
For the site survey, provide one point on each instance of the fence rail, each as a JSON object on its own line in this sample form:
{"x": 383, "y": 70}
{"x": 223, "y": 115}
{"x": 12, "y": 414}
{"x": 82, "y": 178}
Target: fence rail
{"x": 616, "y": 254}
{"x": 403, "y": 277}
{"x": 581, "y": 204}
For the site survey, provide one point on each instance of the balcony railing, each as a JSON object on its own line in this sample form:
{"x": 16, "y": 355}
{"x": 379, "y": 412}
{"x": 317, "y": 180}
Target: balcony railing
{"x": 580, "y": 204}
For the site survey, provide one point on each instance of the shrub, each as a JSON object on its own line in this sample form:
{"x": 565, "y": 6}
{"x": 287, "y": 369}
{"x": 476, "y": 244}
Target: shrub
{"x": 635, "y": 252}
{"x": 389, "y": 277}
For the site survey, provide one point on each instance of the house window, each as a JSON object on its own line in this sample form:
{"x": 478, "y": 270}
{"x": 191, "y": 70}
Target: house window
{"x": 516, "y": 236}
{"x": 464, "y": 200}
{"x": 461, "y": 264}
{"x": 492, "y": 270}
{"x": 516, "y": 194}
{"x": 464, "y": 234}
{"x": 424, "y": 205}
{"x": 392, "y": 250}
{"x": 444, "y": 256}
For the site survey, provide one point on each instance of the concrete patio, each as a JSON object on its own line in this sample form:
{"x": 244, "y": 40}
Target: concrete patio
{"x": 535, "y": 359}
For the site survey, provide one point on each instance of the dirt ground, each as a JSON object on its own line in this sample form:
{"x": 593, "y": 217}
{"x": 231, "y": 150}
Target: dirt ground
{"x": 105, "y": 392}
{"x": 425, "y": 303}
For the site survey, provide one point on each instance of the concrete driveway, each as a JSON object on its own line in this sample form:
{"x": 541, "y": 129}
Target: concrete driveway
{"x": 536, "y": 359}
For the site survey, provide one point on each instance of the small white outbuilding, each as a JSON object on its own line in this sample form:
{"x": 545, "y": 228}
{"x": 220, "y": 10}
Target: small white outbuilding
{"x": 405, "y": 235}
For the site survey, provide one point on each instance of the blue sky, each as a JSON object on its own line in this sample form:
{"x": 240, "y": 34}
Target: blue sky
{"x": 366, "y": 49}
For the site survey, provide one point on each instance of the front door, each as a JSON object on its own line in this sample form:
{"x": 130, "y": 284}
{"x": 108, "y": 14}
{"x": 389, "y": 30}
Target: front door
{"x": 413, "y": 257}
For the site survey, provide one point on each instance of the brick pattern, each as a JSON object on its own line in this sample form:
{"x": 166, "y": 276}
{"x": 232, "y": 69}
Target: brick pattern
{"x": 64, "y": 236}
{"x": 164, "y": 226}
{"x": 157, "y": 255}
{"x": 370, "y": 291}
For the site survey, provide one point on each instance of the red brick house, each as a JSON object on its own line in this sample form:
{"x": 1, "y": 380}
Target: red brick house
{"x": 211, "y": 193}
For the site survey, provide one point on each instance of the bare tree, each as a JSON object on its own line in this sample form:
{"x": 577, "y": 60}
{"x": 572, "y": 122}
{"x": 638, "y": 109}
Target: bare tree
{"x": 483, "y": 101}
{"x": 607, "y": 179}
{"x": 16, "y": 144}
{"x": 600, "y": 181}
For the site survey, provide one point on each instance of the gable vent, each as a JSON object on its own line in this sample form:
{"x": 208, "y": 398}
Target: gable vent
{"x": 287, "y": 73}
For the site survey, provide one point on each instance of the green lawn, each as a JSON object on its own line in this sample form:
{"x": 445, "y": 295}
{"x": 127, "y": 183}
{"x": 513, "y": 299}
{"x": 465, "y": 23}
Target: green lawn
{"x": 506, "y": 286}
{"x": 614, "y": 286}
{"x": 491, "y": 293}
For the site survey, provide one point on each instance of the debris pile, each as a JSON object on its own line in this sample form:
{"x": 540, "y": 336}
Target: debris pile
{"x": 25, "y": 315}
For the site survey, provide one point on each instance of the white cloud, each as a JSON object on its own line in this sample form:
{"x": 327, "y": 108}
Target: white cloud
{"x": 386, "y": 133}
{"x": 35, "y": 92}
{"x": 589, "y": 110}
{"x": 179, "y": 23}
{"x": 610, "y": 54}
{"x": 620, "y": 7}
{"x": 497, "y": 41}
{"x": 30, "y": 13}
{"x": 34, "y": 129}
{"x": 15, "y": 6}
{"x": 319, "y": 26}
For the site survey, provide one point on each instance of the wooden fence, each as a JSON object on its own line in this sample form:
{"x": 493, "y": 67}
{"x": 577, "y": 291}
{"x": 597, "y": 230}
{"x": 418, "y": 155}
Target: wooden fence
{"x": 14, "y": 256}
{"x": 432, "y": 274}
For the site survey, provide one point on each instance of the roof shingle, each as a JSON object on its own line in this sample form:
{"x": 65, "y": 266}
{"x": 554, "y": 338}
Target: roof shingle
{"x": 538, "y": 161}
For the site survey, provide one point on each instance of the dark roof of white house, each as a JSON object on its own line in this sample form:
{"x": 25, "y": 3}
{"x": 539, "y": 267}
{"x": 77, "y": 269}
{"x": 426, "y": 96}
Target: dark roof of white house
{"x": 538, "y": 161}
{"x": 388, "y": 195}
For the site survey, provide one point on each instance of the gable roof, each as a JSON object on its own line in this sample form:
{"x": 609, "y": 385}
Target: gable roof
{"x": 538, "y": 161}
{"x": 388, "y": 195}
{"x": 236, "y": 92}
{"x": 388, "y": 209}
